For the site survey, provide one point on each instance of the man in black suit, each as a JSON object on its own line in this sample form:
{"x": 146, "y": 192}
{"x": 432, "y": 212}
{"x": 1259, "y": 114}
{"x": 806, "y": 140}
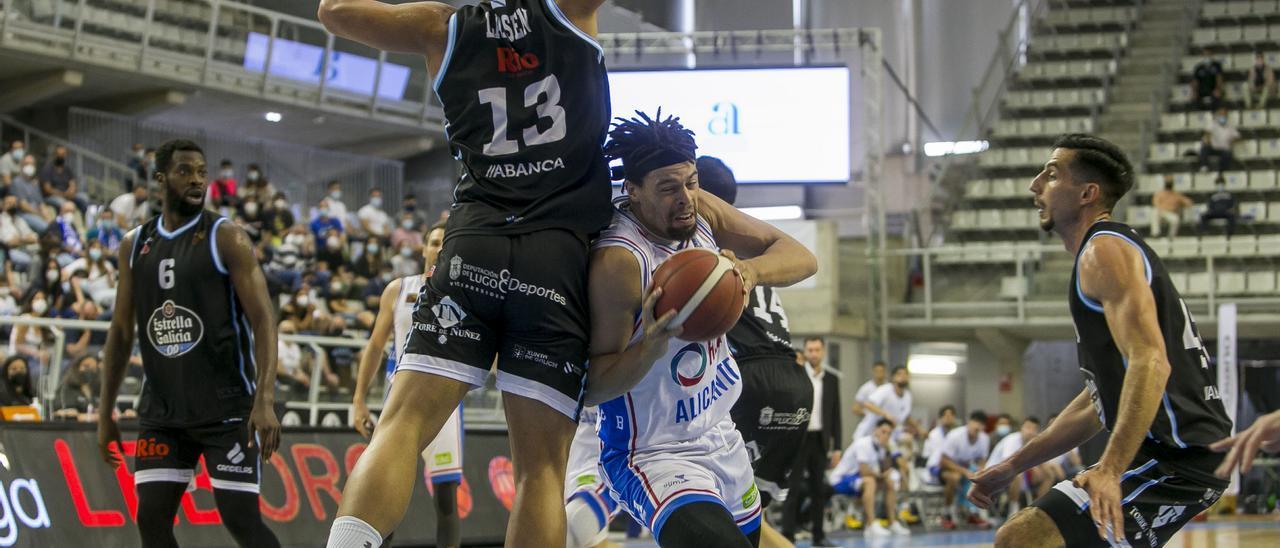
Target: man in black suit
{"x": 822, "y": 438}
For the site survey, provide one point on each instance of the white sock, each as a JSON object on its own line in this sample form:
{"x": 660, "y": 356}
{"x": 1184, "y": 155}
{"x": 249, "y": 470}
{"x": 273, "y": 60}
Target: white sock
{"x": 583, "y": 527}
{"x": 352, "y": 532}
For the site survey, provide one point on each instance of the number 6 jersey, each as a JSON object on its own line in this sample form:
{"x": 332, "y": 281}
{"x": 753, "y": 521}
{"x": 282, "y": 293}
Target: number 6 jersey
{"x": 526, "y": 104}
{"x": 197, "y": 347}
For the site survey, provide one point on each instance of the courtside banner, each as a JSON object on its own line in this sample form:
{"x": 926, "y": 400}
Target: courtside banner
{"x": 56, "y": 491}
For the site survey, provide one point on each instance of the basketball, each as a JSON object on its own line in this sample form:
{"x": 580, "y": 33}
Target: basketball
{"x": 699, "y": 284}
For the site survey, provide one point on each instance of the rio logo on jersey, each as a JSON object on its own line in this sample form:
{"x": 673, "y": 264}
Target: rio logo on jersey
{"x": 174, "y": 330}
{"x": 507, "y": 26}
{"x": 512, "y": 61}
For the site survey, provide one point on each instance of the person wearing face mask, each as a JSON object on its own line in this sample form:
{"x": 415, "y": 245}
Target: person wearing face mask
{"x": 1207, "y": 82}
{"x": 332, "y": 248}
{"x": 11, "y": 159}
{"x": 337, "y": 208}
{"x": 1004, "y": 426}
{"x": 26, "y": 188}
{"x": 375, "y": 222}
{"x": 1260, "y": 83}
{"x": 294, "y": 362}
{"x": 406, "y": 232}
{"x": 78, "y": 391}
{"x": 137, "y": 162}
{"x": 106, "y": 232}
{"x": 1219, "y": 136}
{"x": 370, "y": 263}
{"x": 18, "y": 238}
{"x": 28, "y": 340}
{"x": 99, "y": 282}
{"x": 256, "y": 187}
{"x": 222, "y": 191}
{"x": 405, "y": 262}
{"x": 131, "y": 208}
{"x": 58, "y": 182}
{"x": 16, "y": 387}
{"x": 326, "y": 219}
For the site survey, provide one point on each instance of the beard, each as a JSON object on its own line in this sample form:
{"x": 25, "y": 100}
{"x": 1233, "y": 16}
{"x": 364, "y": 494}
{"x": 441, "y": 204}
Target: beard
{"x": 682, "y": 234}
{"x": 180, "y": 204}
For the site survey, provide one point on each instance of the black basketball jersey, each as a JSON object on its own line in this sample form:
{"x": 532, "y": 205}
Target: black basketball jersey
{"x": 197, "y": 348}
{"x": 1191, "y": 414}
{"x": 526, "y": 105}
{"x": 762, "y": 330}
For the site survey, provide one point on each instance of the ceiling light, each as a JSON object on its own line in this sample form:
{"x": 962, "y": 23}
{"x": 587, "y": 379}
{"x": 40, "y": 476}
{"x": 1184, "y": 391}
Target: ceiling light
{"x": 931, "y": 365}
{"x": 775, "y": 213}
{"x": 273, "y": 116}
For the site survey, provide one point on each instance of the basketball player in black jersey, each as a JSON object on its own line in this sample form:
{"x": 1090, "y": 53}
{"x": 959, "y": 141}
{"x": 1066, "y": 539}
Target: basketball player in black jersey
{"x": 526, "y": 107}
{"x": 1147, "y": 375}
{"x": 189, "y": 281}
{"x": 773, "y": 411}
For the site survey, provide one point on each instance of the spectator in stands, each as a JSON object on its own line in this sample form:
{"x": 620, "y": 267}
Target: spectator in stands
{"x": 373, "y": 289}
{"x": 373, "y": 220}
{"x": 302, "y": 311}
{"x": 11, "y": 160}
{"x": 1222, "y": 205}
{"x": 325, "y": 220}
{"x": 26, "y": 188}
{"x": 16, "y": 387}
{"x": 1219, "y": 137}
{"x": 29, "y": 340}
{"x": 410, "y": 206}
{"x": 250, "y": 219}
{"x": 130, "y": 208}
{"x": 292, "y": 370}
{"x": 256, "y": 188}
{"x": 334, "y": 249}
{"x": 10, "y": 293}
{"x": 337, "y": 209}
{"x": 72, "y": 228}
{"x": 222, "y": 191}
{"x": 1207, "y": 82}
{"x": 106, "y": 231}
{"x": 371, "y": 263}
{"x": 337, "y": 358}
{"x": 138, "y": 163}
{"x": 407, "y": 232}
{"x": 1167, "y": 205}
{"x": 85, "y": 342}
{"x": 277, "y": 218}
{"x": 78, "y": 391}
{"x": 879, "y": 375}
{"x": 406, "y": 262}
{"x": 15, "y": 235}
{"x": 100, "y": 275}
{"x": 1260, "y": 83}
{"x": 58, "y": 182}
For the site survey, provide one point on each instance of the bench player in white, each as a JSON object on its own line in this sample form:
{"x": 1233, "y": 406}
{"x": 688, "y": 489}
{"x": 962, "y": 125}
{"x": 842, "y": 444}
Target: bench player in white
{"x": 963, "y": 450}
{"x": 670, "y": 454}
{"x": 443, "y": 456}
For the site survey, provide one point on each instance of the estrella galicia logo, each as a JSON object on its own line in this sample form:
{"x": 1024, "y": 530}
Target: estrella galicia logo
{"x": 689, "y": 365}
{"x": 455, "y": 267}
{"x": 448, "y": 313}
{"x": 174, "y": 330}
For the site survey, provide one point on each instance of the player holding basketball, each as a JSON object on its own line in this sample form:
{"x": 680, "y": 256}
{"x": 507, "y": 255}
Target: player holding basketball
{"x": 443, "y": 457}
{"x": 190, "y": 281}
{"x": 1146, "y": 370}
{"x": 773, "y": 412}
{"x": 526, "y": 104}
{"x": 670, "y": 452}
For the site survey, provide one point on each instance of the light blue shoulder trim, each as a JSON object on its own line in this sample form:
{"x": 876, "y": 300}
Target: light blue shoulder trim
{"x": 213, "y": 246}
{"x": 448, "y": 53}
{"x": 1095, "y": 305}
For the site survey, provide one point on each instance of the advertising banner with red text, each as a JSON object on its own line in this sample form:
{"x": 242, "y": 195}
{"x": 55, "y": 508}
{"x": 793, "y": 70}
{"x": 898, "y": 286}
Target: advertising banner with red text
{"x": 56, "y": 491}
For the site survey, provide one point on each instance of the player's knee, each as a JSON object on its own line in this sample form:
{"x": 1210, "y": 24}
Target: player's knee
{"x": 869, "y": 485}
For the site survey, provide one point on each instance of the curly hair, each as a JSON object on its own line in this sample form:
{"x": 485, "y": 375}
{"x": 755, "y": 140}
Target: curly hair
{"x": 645, "y": 144}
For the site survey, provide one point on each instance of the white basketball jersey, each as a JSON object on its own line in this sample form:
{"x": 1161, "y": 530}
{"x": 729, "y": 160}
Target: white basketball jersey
{"x": 690, "y": 388}
{"x": 410, "y": 286}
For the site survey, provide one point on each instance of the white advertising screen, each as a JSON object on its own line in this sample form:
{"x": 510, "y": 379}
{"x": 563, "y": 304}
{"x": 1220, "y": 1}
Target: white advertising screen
{"x": 774, "y": 125}
{"x": 347, "y": 71}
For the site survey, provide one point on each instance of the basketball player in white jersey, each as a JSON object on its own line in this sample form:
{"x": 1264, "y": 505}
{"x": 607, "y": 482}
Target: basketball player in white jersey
{"x": 443, "y": 456}
{"x": 670, "y": 453}
{"x": 890, "y": 401}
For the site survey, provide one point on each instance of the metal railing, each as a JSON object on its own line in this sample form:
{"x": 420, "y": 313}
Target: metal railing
{"x": 482, "y": 407}
{"x": 155, "y": 38}
{"x": 968, "y": 300}
{"x": 99, "y": 176}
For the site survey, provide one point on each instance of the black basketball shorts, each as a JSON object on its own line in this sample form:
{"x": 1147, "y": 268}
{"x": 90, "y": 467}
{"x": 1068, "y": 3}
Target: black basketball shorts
{"x": 170, "y": 454}
{"x": 1157, "y": 500}
{"x": 772, "y": 414}
{"x": 520, "y": 297}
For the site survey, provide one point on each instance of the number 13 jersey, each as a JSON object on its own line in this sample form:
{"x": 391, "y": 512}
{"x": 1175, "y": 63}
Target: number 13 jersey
{"x": 197, "y": 348}
{"x": 526, "y": 105}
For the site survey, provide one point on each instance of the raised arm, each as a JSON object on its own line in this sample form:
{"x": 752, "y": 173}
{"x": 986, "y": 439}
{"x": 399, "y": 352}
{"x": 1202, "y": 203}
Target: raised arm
{"x": 765, "y": 255}
{"x": 1113, "y": 272}
{"x": 372, "y": 355}
{"x": 616, "y": 298}
{"x": 416, "y": 27}
{"x": 250, "y": 285}
{"x": 115, "y": 357}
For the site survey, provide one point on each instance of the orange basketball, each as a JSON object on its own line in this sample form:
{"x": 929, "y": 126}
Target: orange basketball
{"x": 700, "y": 285}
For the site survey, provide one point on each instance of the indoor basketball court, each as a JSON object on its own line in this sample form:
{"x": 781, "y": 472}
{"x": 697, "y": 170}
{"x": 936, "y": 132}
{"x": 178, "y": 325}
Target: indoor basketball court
{"x": 632, "y": 273}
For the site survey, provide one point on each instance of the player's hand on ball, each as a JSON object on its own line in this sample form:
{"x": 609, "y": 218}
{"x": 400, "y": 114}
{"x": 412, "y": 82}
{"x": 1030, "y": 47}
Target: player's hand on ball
{"x": 109, "y": 431}
{"x": 744, "y": 271}
{"x": 1104, "y": 502}
{"x": 657, "y": 331}
{"x": 1264, "y": 434}
{"x": 263, "y": 423}
{"x": 988, "y": 483}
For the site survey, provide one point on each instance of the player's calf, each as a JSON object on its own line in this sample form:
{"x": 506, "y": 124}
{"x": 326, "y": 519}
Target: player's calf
{"x": 1029, "y": 528}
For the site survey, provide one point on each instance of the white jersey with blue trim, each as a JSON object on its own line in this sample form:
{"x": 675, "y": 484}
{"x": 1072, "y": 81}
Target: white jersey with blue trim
{"x": 406, "y": 301}
{"x": 694, "y": 384}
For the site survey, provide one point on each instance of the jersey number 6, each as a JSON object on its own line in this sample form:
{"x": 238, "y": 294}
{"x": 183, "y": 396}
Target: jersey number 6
{"x": 500, "y": 144}
{"x": 166, "y": 273}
